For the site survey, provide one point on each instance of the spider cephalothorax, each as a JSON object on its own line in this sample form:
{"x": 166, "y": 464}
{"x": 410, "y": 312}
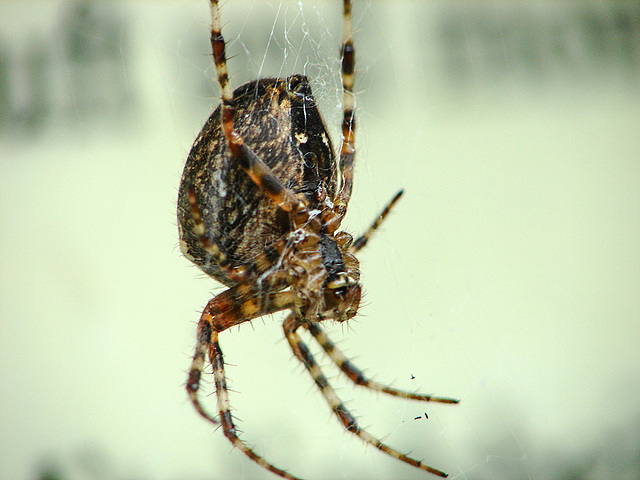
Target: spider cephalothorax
{"x": 324, "y": 274}
{"x": 260, "y": 203}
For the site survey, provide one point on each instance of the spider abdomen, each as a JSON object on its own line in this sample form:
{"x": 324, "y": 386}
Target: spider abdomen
{"x": 279, "y": 120}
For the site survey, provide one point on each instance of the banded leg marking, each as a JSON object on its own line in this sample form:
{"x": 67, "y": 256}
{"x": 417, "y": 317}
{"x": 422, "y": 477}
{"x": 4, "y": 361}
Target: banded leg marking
{"x": 264, "y": 178}
{"x": 228, "y": 427}
{"x": 347, "y": 149}
{"x": 356, "y": 376}
{"x": 197, "y": 366}
{"x": 261, "y": 175}
{"x": 242, "y": 273}
{"x": 303, "y": 354}
{"x": 232, "y": 307}
{"x": 362, "y": 241}
{"x": 236, "y": 274}
{"x": 219, "y": 54}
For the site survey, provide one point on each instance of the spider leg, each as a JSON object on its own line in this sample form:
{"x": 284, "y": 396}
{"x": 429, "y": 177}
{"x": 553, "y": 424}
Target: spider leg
{"x": 203, "y": 340}
{"x": 347, "y": 149}
{"x": 243, "y": 273}
{"x": 260, "y": 173}
{"x": 217, "y": 256}
{"x": 362, "y": 241}
{"x": 224, "y": 407}
{"x": 232, "y": 307}
{"x": 356, "y": 375}
{"x": 302, "y": 353}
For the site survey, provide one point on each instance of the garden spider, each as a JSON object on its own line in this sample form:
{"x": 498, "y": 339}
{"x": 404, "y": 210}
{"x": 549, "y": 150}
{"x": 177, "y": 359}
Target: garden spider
{"x": 261, "y": 199}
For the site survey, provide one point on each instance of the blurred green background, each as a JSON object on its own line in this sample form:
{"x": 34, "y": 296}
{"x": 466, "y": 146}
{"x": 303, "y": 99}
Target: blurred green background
{"x": 508, "y": 276}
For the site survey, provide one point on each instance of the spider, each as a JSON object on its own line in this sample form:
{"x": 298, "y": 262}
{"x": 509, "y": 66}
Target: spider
{"x": 260, "y": 204}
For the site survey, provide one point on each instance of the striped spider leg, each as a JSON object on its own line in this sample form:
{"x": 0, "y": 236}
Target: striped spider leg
{"x": 357, "y": 377}
{"x": 261, "y": 200}
{"x": 339, "y": 359}
{"x": 302, "y": 353}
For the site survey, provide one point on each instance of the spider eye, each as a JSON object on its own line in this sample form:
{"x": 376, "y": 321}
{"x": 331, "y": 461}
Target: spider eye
{"x": 340, "y": 292}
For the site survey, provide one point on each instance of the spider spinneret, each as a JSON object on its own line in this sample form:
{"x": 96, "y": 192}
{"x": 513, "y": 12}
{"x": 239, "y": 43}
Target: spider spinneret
{"x": 260, "y": 204}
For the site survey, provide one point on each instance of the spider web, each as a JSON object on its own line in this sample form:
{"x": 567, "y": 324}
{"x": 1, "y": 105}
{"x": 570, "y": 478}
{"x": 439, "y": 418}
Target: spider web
{"x": 507, "y": 276}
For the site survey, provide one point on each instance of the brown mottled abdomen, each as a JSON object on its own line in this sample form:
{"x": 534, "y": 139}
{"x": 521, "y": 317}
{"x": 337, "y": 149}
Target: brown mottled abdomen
{"x": 283, "y": 127}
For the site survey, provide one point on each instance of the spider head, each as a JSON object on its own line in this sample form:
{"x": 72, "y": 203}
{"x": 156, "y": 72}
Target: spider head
{"x": 341, "y": 297}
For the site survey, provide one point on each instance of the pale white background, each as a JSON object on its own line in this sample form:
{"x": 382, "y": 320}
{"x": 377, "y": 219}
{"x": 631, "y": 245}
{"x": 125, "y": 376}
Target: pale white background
{"x": 508, "y": 276}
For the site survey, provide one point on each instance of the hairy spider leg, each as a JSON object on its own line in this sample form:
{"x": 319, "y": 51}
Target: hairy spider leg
{"x": 260, "y": 173}
{"x": 362, "y": 240}
{"x": 348, "y": 148}
{"x": 235, "y": 274}
{"x": 226, "y": 418}
{"x": 356, "y": 376}
{"x": 203, "y": 337}
{"x": 232, "y": 307}
{"x": 260, "y": 264}
{"x": 302, "y": 353}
